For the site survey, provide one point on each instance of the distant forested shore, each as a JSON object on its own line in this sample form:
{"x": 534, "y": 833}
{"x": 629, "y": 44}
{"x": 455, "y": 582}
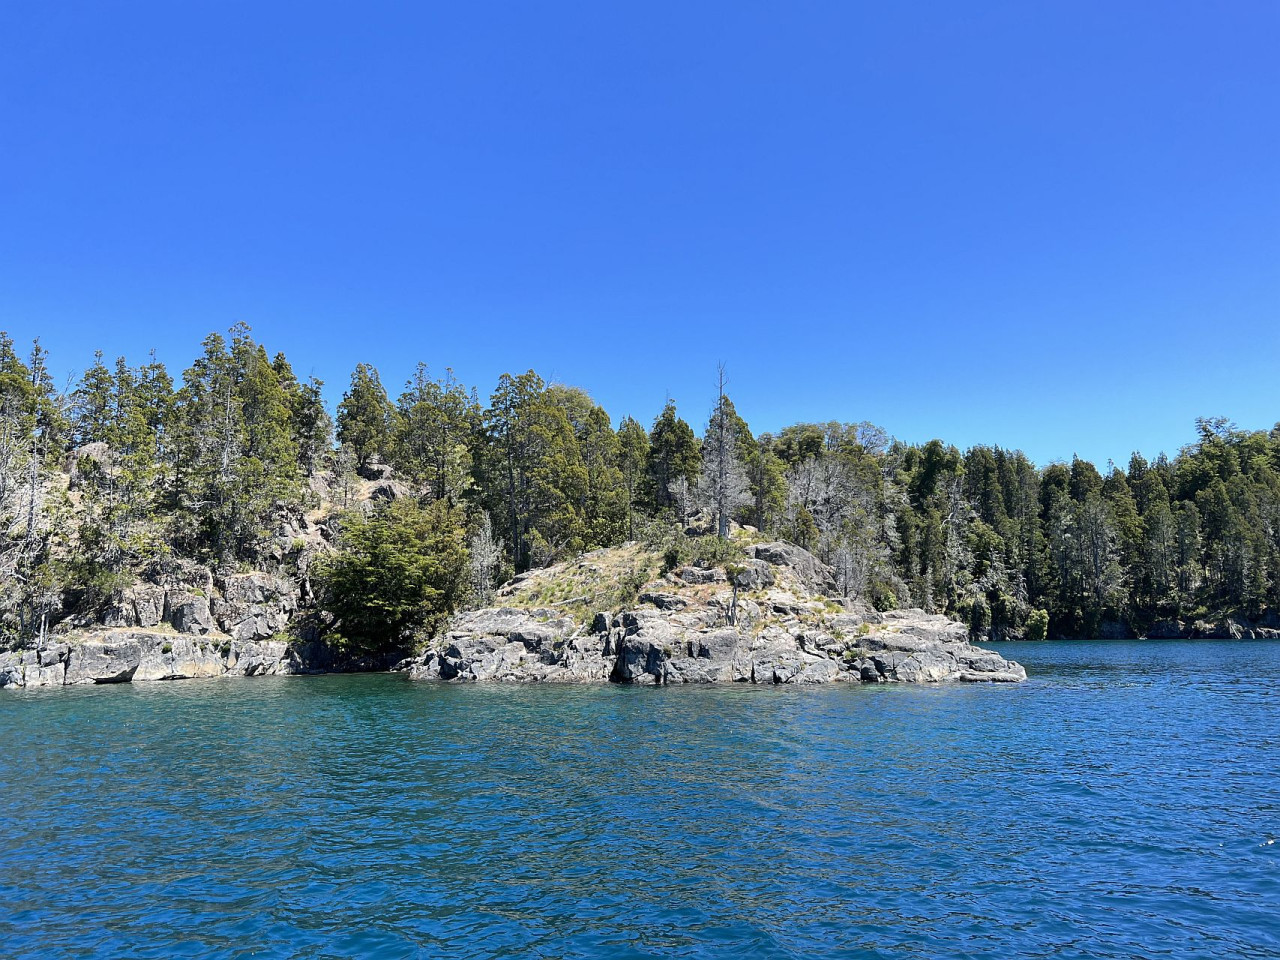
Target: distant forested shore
{"x": 132, "y": 473}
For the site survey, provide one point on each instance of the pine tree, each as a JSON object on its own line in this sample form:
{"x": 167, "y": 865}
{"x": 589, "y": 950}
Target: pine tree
{"x": 558, "y": 481}
{"x": 633, "y": 459}
{"x": 311, "y": 430}
{"x": 674, "y": 455}
{"x": 766, "y": 472}
{"x": 270, "y": 463}
{"x": 365, "y": 416}
{"x": 235, "y": 460}
{"x": 605, "y": 505}
{"x": 116, "y": 533}
{"x": 508, "y": 424}
{"x": 435, "y": 428}
{"x": 91, "y": 403}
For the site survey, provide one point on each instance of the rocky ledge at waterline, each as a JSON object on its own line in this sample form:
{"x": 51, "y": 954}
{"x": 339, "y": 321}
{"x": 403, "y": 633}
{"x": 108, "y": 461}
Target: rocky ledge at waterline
{"x": 781, "y": 624}
{"x": 684, "y": 627}
{"x": 130, "y": 655}
{"x": 198, "y": 626}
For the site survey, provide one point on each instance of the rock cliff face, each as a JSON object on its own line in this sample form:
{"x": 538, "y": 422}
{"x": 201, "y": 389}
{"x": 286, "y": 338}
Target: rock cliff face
{"x": 684, "y": 627}
{"x": 130, "y": 655}
{"x": 195, "y": 624}
{"x": 247, "y": 606}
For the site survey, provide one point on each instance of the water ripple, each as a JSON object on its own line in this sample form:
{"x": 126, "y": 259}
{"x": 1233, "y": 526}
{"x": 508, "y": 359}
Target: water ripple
{"x": 1120, "y": 804}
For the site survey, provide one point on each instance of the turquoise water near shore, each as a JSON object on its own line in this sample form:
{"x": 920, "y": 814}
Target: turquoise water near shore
{"x": 1124, "y": 802}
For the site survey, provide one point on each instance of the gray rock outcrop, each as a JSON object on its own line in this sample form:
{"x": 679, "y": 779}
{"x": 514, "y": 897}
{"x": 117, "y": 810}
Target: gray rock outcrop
{"x": 247, "y": 606}
{"x": 188, "y": 612}
{"x": 646, "y": 646}
{"x": 507, "y": 644}
{"x": 684, "y": 628}
{"x": 811, "y": 572}
{"x": 124, "y": 656}
{"x": 254, "y": 606}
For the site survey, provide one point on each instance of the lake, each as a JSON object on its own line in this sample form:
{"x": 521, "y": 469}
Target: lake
{"x": 1124, "y": 802}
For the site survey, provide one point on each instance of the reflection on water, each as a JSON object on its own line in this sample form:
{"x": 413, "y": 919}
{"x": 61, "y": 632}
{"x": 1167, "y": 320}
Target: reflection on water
{"x": 1119, "y": 804}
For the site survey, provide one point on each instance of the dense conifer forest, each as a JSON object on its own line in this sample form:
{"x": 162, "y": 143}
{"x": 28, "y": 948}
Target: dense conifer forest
{"x": 132, "y": 469}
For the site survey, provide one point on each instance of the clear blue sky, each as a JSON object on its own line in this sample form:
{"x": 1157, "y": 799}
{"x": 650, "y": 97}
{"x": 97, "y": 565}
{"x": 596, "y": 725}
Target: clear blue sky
{"x": 1055, "y": 226}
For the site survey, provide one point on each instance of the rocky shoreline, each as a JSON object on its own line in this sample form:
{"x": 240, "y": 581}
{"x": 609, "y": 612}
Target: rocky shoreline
{"x": 135, "y": 656}
{"x": 643, "y": 647}
{"x": 771, "y": 619}
{"x": 197, "y": 625}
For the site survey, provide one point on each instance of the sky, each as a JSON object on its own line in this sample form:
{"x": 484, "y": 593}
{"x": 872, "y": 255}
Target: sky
{"x": 1052, "y": 226}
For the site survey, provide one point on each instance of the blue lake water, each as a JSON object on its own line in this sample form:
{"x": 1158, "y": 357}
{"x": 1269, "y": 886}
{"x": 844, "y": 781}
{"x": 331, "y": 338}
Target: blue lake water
{"x": 1125, "y": 802}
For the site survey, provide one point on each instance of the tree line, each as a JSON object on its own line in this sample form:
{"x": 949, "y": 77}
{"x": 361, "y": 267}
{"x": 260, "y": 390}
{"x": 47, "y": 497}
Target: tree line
{"x": 128, "y": 469}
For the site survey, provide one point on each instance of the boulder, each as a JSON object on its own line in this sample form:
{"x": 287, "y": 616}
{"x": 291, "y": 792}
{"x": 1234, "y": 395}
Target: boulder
{"x": 141, "y": 605}
{"x": 821, "y": 671}
{"x": 118, "y": 614}
{"x": 700, "y": 524}
{"x": 88, "y": 457}
{"x": 754, "y": 575}
{"x": 701, "y": 575}
{"x": 188, "y": 612}
{"x": 649, "y": 642}
{"x": 777, "y": 661}
{"x": 387, "y": 490}
{"x": 978, "y": 665}
{"x": 926, "y": 666}
{"x": 113, "y": 658}
{"x": 11, "y": 670}
{"x": 708, "y": 657}
{"x": 147, "y": 601}
{"x": 814, "y": 575}
{"x": 373, "y": 470}
{"x": 916, "y": 623}
{"x": 49, "y": 674}
{"x": 262, "y": 658}
{"x": 178, "y": 658}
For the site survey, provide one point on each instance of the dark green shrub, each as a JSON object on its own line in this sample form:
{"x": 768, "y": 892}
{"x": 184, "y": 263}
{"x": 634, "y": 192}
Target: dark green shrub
{"x": 403, "y": 569}
{"x": 1038, "y": 625}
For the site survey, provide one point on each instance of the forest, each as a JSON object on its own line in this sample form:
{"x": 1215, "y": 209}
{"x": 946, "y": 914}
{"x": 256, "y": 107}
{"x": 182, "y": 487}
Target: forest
{"x": 128, "y": 470}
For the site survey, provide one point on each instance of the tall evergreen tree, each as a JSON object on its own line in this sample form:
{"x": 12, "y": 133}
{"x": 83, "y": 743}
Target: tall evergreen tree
{"x": 674, "y": 455}
{"x": 366, "y": 416}
{"x": 633, "y": 460}
{"x": 235, "y": 459}
{"x": 436, "y": 426}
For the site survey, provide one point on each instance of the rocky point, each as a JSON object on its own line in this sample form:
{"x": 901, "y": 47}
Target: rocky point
{"x": 770, "y": 618}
